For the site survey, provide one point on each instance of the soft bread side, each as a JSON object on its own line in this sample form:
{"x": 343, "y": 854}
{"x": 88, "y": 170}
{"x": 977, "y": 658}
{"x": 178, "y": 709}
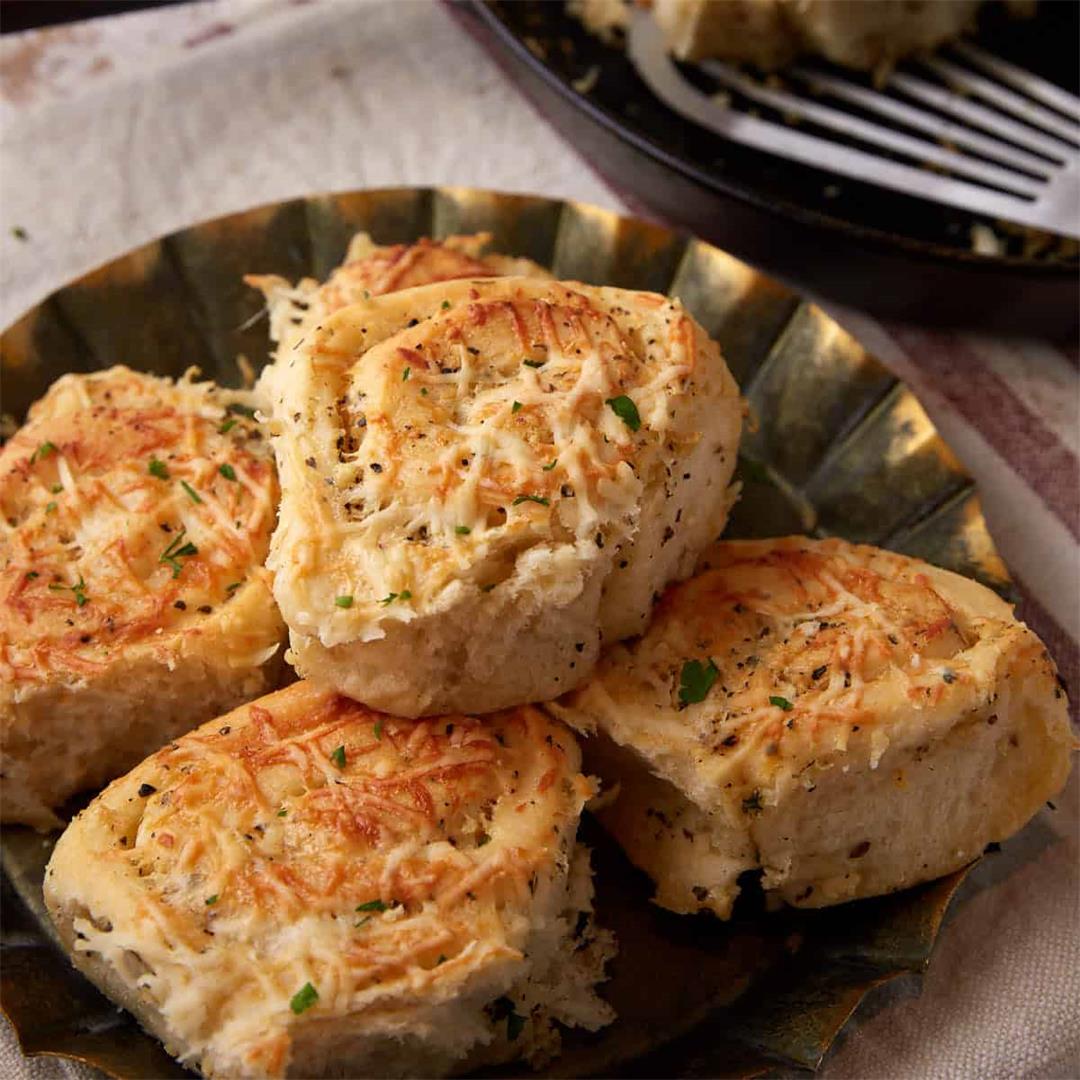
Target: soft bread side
{"x": 307, "y": 888}
{"x": 846, "y": 720}
{"x": 483, "y": 480}
{"x": 133, "y": 599}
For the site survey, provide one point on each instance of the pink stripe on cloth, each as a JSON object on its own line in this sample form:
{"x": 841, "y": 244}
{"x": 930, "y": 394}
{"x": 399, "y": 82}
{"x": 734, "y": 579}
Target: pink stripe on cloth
{"x": 990, "y": 406}
{"x": 1062, "y": 647}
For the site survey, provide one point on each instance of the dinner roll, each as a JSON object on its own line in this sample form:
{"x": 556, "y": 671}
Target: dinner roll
{"x": 307, "y": 888}
{"x": 845, "y": 720}
{"x": 771, "y": 33}
{"x": 134, "y": 604}
{"x": 371, "y": 269}
{"x": 481, "y": 480}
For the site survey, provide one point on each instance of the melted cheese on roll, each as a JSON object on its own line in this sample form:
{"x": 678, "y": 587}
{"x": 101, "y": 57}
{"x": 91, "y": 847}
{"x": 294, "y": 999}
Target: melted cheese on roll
{"x": 480, "y": 480}
{"x": 305, "y": 887}
{"x": 134, "y": 604}
{"x": 371, "y": 269}
{"x": 846, "y": 720}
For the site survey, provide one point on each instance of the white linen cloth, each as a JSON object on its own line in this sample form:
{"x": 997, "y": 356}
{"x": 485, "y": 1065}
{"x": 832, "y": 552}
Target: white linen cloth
{"x": 117, "y": 130}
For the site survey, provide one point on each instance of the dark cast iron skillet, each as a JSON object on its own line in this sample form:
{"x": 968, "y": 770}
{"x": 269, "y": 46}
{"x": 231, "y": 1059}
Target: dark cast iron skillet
{"x": 892, "y": 254}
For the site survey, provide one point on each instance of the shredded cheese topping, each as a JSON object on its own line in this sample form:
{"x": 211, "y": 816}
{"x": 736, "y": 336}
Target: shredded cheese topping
{"x": 438, "y": 436}
{"x": 305, "y": 839}
{"x": 372, "y": 270}
{"x": 813, "y": 645}
{"x": 132, "y": 507}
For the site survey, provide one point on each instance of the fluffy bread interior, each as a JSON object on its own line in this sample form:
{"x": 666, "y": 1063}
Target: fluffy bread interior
{"x": 134, "y": 603}
{"x": 848, "y": 721}
{"x": 307, "y": 888}
{"x": 483, "y": 480}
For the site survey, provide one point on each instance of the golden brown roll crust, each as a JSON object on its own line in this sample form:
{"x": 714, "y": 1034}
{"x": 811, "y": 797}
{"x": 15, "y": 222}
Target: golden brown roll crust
{"x": 137, "y": 515}
{"x": 372, "y": 269}
{"x": 305, "y": 887}
{"x": 848, "y": 720}
{"x": 481, "y": 479}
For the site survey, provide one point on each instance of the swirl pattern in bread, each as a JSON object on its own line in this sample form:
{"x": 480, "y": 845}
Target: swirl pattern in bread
{"x": 481, "y": 480}
{"x": 846, "y": 720}
{"x": 134, "y": 604}
{"x": 305, "y": 887}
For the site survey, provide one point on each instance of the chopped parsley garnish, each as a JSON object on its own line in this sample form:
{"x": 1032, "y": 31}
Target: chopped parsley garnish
{"x": 338, "y": 757}
{"x": 282, "y": 812}
{"x": 233, "y": 586}
{"x": 19, "y": 233}
{"x": 516, "y": 407}
{"x": 377, "y": 729}
{"x": 626, "y": 411}
{"x": 695, "y": 681}
{"x": 42, "y": 452}
{"x": 949, "y": 675}
{"x": 483, "y": 839}
{"x": 50, "y": 508}
{"x": 343, "y": 601}
{"x": 241, "y": 410}
{"x": 367, "y": 295}
{"x": 423, "y": 391}
{"x": 303, "y": 999}
{"x": 372, "y": 905}
{"x": 210, "y": 900}
{"x": 534, "y": 363}
{"x": 56, "y": 488}
{"x": 193, "y": 495}
{"x": 389, "y": 598}
{"x": 551, "y": 465}
{"x": 405, "y": 595}
{"x": 79, "y": 589}
{"x": 227, "y": 471}
{"x": 531, "y": 498}
{"x": 405, "y": 374}
{"x": 176, "y": 551}
{"x": 446, "y": 305}
{"x": 158, "y": 468}
{"x": 227, "y": 426}
{"x": 31, "y": 574}
{"x": 781, "y": 703}
{"x": 752, "y": 803}
{"x": 462, "y": 530}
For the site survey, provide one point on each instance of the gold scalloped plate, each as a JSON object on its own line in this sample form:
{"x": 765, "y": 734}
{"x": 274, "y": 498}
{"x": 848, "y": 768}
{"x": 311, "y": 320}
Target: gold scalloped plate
{"x": 839, "y": 447}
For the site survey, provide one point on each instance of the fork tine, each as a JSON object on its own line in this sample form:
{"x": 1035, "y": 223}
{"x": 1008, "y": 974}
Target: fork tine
{"x": 1033, "y": 85}
{"x": 979, "y": 116}
{"x": 855, "y": 127}
{"x": 1028, "y": 111}
{"x": 648, "y": 52}
{"x": 921, "y": 120}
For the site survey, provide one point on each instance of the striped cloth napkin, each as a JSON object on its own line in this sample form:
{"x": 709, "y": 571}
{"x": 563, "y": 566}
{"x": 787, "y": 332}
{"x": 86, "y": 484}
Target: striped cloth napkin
{"x": 117, "y": 130}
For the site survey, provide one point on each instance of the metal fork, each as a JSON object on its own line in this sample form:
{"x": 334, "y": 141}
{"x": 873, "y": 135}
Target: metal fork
{"x": 1005, "y": 143}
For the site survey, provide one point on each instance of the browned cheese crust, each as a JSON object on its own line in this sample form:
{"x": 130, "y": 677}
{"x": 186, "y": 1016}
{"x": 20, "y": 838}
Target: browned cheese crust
{"x": 137, "y": 515}
{"x": 847, "y": 720}
{"x": 305, "y": 887}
